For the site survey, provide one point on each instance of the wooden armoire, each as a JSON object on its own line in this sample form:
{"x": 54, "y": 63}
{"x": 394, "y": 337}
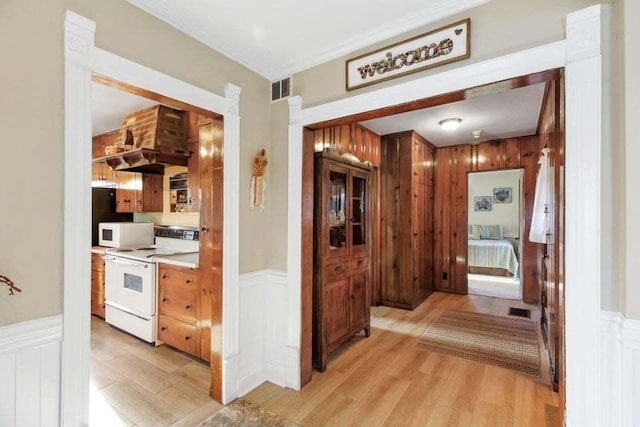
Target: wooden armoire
{"x": 342, "y": 248}
{"x": 407, "y": 219}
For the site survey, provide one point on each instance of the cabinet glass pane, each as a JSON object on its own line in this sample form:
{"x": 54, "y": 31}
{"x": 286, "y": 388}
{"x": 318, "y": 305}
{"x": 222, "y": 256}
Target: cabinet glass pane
{"x": 337, "y": 210}
{"x": 358, "y": 206}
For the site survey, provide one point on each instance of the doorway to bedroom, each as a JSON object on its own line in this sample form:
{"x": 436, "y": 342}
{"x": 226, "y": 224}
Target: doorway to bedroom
{"x": 495, "y": 220}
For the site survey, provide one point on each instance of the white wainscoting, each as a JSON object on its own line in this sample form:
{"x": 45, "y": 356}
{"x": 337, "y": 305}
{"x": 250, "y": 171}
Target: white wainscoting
{"x": 620, "y": 370}
{"x": 30, "y": 373}
{"x": 262, "y": 329}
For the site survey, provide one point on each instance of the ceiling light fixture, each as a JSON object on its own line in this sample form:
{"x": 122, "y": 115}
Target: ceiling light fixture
{"x": 450, "y": 124}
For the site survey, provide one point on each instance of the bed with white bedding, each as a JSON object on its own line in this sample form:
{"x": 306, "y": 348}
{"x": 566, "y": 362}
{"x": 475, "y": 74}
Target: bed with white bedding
{"x": 492, "y": 254}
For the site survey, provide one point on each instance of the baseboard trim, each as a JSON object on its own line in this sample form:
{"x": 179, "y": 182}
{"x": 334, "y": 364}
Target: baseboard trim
{"x": 31, "y": 333}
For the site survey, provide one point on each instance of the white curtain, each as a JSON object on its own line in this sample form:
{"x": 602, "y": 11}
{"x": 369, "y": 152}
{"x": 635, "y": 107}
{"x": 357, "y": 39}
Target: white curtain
{"x": 540, "y": 221}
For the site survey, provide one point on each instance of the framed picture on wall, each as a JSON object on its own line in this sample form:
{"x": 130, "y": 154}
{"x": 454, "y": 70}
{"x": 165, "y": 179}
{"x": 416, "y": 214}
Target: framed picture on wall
{"x": 502, "y": 195}
{"x": 482, "y": 203}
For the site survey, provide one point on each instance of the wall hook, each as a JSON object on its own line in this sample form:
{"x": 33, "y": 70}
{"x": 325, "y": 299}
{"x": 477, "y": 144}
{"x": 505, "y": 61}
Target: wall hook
{"x": 9, "y": 282}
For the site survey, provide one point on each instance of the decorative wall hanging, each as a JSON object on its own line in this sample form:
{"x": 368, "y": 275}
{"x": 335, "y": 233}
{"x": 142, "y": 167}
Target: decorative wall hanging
{"x": 502, "y": 195}
{"x": 438, "y": 47}
{"x": 257, "y": 180}
{"x": 10, "y": 284}
{"x": 482, "y": 203}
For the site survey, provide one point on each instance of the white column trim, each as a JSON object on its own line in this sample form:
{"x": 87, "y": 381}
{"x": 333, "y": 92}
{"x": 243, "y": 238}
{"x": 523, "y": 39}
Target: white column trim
{"x": 294, "y": 242}
{"x": 583, "y": 181}
{"x": 580, "y": 53}
{"x": 74, "y": 369}
{"x": 82, "y": 59}
{"x": 231, "y": 238}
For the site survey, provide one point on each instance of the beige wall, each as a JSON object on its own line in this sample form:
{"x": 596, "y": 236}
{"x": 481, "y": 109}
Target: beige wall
{"x": 498, "y": 28}
{"x": 31, "y": 117}
{"x": 632, "y": 128}
{"x": 32, "y": 123}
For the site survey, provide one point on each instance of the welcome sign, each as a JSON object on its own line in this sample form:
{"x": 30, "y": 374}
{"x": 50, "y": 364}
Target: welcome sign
{"x": 442, "y": 46}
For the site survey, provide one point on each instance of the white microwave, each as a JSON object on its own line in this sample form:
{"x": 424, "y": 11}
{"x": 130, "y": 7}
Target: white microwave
{"x": 123, "y": 234}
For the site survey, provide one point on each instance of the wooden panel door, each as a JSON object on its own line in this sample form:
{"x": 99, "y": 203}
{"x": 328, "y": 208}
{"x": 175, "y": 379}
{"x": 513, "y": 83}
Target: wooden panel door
{"x": 151, "y": 194}
{"x": 211, "y": 220}
{"x": 359, "y": 307}
{"x": 336, "y": 310}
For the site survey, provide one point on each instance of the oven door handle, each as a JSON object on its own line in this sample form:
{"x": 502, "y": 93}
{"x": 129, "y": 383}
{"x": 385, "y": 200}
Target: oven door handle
{"x": 127, "y": 262}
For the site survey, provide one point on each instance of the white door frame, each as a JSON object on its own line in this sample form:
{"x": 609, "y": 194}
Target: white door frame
{"x": 580, "y": 55}
{"x": 82, "y": 59}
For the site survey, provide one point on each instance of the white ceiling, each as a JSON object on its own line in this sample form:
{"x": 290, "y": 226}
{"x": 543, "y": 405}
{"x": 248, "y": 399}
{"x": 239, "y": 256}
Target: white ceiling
{"x": 500, "y": 115}
{"x": 110, "y": 105}
{"x": 278, "y": 38}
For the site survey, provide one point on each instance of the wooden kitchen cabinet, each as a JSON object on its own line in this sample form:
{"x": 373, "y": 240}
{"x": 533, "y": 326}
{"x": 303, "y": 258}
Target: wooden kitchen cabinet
{"x": 407, "y": 207}
{"x": 102, "y": 175}
{"x": 342, "y": 246}
{"x": 136, "y": 192}
{"x": 178, "y": 308}
{"x": 97, "y": 285}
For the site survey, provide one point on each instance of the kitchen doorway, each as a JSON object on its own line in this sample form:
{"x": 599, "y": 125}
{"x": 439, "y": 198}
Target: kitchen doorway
{"x": 80, "y": 66}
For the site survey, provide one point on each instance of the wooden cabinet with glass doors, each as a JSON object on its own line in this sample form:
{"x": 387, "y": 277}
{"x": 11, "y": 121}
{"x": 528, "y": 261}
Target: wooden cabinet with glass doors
{"x": 342, "y": 248}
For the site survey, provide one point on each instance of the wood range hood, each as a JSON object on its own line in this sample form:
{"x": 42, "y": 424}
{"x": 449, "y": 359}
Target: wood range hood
{"x": 151, "y": 139}
{"x": 144, "y": 160}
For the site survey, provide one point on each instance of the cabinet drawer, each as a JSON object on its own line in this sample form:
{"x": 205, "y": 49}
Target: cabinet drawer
{"x": 358, "y": 265}
{"x": 97, "y": 263}
{"x": 333, "y": 272}
{"x": 185, "y": 278}
{"x": 180, "y": 335}
{"x": 178, "y": 303}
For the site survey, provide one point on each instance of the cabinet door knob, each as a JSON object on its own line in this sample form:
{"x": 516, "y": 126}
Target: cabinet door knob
{"x": 187, "y": 338}
{"x": 188, "y": 281}
{"x": 164, "y": 276}
{"x": 204, "y": 229}
{"x": 164, "y": 299}
{"x": 187, "y": 307}
{"x": 164, "y": 328}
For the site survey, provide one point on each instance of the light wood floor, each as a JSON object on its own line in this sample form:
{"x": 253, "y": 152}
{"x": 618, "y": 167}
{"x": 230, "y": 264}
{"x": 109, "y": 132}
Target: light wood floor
{"x": 380, "y": 380}
{"x": 135, "y": 383}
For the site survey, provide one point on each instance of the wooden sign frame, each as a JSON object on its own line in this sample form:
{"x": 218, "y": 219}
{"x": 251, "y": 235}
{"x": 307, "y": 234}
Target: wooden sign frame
{"x": 438, "y": 47}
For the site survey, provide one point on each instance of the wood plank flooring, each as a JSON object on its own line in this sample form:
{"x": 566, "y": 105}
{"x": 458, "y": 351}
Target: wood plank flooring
{"x": 136, "y": 384}
{"x": 383, "y": 380}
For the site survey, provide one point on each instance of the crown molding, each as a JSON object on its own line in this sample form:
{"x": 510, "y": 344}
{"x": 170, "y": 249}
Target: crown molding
{"x": 439, "y": 9}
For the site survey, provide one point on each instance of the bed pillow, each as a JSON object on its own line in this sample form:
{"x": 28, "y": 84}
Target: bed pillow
{"x": 474, "y": 232}
{"x": 491, "y": 232}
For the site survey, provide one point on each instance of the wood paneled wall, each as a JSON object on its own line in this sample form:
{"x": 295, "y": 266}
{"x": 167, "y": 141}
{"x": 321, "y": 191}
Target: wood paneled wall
{"x": 451, "y": 193}
{"x": 406, "y": 219}
{"x": 354, "y": 139}
{"x": 450, "y": 200}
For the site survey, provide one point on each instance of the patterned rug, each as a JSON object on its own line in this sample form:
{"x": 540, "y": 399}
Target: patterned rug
{"x": 241, "y": 413}
{"x": 501, "y": 341}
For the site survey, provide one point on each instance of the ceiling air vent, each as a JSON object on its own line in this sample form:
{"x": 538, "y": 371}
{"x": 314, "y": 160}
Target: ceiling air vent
{"x": 280, "y": 89}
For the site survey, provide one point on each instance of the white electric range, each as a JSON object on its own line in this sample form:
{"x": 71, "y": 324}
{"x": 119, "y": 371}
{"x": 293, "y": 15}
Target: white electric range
{"x": 130, "y": 279}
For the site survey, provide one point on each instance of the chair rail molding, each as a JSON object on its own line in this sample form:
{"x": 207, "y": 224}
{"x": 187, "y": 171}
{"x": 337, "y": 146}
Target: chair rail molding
{"x": 579, "y": 53}
{"x": 82, "y": 59}
{"x": 30, "y": 372}
{"x": 620, "y": 361}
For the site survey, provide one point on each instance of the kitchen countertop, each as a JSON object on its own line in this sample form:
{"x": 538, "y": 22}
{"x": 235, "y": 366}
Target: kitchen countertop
{"x": 182, "y": 260}
{"x": 100, "y": 250}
